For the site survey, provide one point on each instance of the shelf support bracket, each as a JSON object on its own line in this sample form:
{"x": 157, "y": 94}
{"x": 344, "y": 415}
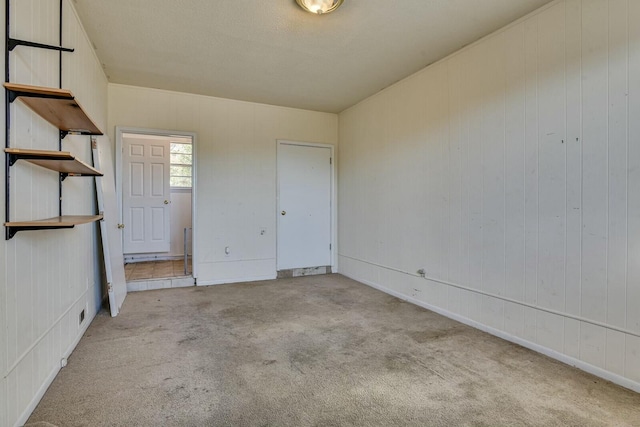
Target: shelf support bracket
{"x": 12, "y": 159}
{"x": 11, "y": 230}
{"x": 13, "y": 95}
{"x": 13, "y": 43}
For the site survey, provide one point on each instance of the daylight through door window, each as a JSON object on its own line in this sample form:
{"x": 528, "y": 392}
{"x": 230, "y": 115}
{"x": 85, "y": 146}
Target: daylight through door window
{"x": 181, "y": 164}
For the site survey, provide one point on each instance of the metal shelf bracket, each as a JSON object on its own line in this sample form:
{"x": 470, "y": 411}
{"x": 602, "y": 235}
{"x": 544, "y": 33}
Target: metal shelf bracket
{"x": 13, "y": 43}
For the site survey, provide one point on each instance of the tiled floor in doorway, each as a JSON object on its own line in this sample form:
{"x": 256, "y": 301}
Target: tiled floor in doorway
{"x": 155, "y": 270}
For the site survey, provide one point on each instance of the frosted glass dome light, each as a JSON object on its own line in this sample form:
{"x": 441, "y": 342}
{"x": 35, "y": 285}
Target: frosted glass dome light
{"x": 319, "y": 7}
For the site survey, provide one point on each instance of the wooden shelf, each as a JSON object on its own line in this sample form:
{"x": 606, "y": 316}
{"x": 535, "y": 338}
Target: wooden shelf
{"x": 58, "y": 221}
{"x": 66, "y": 221}
{"x": 59, "y": 161}
{"x": 57, "y": 106}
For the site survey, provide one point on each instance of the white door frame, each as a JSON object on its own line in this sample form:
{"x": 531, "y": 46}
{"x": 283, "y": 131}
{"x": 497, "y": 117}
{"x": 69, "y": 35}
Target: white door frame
{"x": 333, "y": 198}
{"x": 161, "y": 132}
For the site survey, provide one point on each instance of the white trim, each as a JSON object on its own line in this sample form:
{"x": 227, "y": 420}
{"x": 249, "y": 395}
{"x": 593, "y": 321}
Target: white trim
{"x": 45, "y": 333}
{"x": 237, "y": 280}
{"x": 24, "y": 417}
{"x": 501, "y": 297}
{"x": 194, "y": 178}
{"x": 132, "y": 259}
{"x": 181, "y": 189}
{"x": 334, "y": 191}
{"x": 572, "y": 361}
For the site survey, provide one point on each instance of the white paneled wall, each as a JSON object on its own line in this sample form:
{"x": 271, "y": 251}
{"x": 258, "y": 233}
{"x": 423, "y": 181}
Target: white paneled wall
{"x": 180, "y": 219}
{"x": 46, "y": 277}
{"x": 235, "y": 159}
{"x": 510, "y": 172}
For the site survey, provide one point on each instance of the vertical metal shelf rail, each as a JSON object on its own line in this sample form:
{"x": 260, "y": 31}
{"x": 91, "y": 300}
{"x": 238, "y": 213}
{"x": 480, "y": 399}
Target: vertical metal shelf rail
{"x": 59, "y": 161}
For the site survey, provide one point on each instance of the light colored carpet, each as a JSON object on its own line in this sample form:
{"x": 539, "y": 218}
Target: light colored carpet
{"x": 307, "y": 351}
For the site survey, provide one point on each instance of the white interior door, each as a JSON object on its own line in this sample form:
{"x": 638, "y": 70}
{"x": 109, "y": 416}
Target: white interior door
{"x": 304, "y": 206}
{"x": 111, "y": 234}
{"x": 146, "y": 195}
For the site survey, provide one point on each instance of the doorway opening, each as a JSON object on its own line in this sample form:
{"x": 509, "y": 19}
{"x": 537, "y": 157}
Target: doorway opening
{"x": 155, "y": 185}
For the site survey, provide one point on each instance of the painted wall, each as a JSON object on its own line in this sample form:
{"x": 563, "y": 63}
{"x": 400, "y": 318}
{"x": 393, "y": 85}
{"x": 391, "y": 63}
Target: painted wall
{"x": 510, "y": 172}
{"x": 235, "y": 170}
{"x": 180, "y": 218}
{"x": 46, "y": 277}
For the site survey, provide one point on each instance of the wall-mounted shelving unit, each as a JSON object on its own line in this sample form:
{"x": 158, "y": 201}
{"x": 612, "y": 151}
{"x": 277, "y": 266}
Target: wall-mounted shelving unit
{"x": 60, "y": 108}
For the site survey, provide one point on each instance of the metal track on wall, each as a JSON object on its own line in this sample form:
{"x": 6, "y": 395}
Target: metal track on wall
{"x": 10, "y": 45}
{"x": 48, "y": 98}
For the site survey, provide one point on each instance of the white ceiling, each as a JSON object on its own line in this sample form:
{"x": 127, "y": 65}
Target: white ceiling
{"x": 272, "y": 52}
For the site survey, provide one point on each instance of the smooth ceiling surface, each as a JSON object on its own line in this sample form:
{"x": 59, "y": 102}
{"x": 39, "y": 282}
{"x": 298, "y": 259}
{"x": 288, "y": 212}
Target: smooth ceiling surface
{"x": 272, "y": 52}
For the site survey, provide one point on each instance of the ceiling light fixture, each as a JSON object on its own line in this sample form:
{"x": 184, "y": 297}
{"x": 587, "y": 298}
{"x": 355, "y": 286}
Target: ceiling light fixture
{"x": 319, "y": 7}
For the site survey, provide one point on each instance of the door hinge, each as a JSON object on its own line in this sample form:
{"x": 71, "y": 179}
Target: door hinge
{"x": 329, "y": 246}
{"x": 330, "y": 160}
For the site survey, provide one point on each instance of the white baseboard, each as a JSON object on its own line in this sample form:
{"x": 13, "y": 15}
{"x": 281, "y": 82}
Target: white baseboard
{"x": 24, "y": 417}
{"x": 155, "y": 284}
{"x": 236, "y": 280}
{"x": 132, "y": 259}
{"x": 594, "y": 370}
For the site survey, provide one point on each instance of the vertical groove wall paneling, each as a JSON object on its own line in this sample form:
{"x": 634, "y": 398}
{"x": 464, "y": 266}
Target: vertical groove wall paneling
{"x": 48, "y": 276}
{"x": 551, "y": 176}
{"x": 632, "y": 343}
{"x": 594, "y": 177}
{"x": 531, "y": 194}
{"x": 573, "y": 170}
{"x": 617, "y": 183}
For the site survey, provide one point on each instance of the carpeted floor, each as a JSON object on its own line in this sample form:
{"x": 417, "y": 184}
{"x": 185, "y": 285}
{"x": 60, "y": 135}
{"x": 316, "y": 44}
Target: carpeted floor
{"x": 318, "y": 350}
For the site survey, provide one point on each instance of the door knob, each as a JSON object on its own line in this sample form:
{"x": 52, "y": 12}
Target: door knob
{"x": 283, "y": 213}
{"x": 120, "y": 226}
{"x": 166, "y": 202}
